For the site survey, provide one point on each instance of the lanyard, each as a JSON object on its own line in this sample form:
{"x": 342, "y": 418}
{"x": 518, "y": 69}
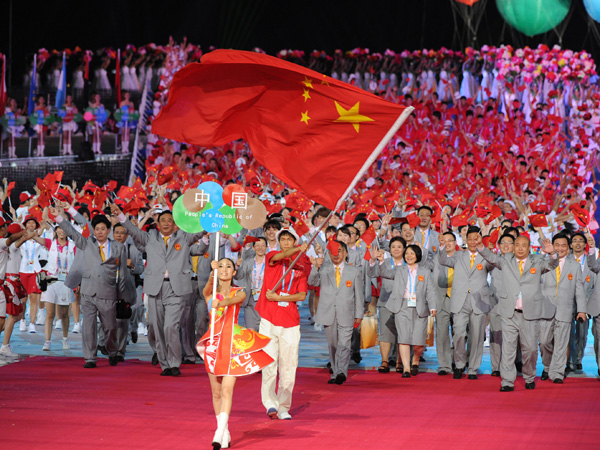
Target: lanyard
{"x": 412, "y": 281}
{"x": 30, "y": 257}
{"x": 283, "y": 282}
{"x": 583, "y": 261}
{"x": 58, "y": 255}
{"x": 257, "y": 278}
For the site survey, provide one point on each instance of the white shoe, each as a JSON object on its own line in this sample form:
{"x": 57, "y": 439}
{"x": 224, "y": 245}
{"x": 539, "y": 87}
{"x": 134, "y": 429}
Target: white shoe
{"x": 5, "y": 350}
{"x": 58, "y": 325}
{"x": 76, "y": 328}
{"x": 318, "y": 327}
{"x": 46, "y": 346}
{"x": 31, "y": 328}
{"x": 41, "y": 317}
{"x": 66, "y": 345}
{"x": 140, "y": 328}
{"x": 145, "y": 330}
{"x": 284, "y": 416}
{"x": 22, "y": 325}
{"x": 226, "y": 439}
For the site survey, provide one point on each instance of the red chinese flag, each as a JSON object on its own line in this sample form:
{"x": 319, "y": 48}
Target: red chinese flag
{"x": 301, "y": 228}
{"x": 86, "y": 231}
{"x": 413, "y": 220}
{"x": 314, "y": 133}
{"x": 9, "y": 188}
{"x": 369, "y": 236}
{"x": 582, "y": 216}
{"x": 538, "y": 220}
{"x": 248, "y": 239}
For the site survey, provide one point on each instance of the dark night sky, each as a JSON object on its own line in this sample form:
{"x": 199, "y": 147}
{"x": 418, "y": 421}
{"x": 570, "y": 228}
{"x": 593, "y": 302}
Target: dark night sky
{"x": 269, "y": 24}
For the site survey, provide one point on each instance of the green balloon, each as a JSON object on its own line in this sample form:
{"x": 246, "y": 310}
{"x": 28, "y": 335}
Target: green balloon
{"x": 533, "y": 17}
{"x": 186, "y": 220}
{"x": 231, "y": 225}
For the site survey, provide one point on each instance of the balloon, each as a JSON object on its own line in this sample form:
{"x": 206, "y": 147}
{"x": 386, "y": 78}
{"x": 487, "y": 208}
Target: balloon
{"x": 533, "y": 17}
{"x": 214, "y": 191}
{"x": 228, "y": 192}
{"x": 189, "y": 200}
{"x": 186, "y": 220}
{"x": 253, "y": 216}
{"x": 212, "y": 220}
{"x": 593, "y": 9}
{"x": 230, "y": 224}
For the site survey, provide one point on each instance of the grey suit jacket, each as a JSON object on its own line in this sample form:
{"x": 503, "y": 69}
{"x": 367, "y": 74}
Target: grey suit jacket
{"x": 593, "y": 306}
{"x": 434, "y": 239}
{"x": 243, "y": 278}
{"x": 74, "y": 276}
{"x": 387, "y": 284}
{"x": 440, "y": 280}
{"x": 569, "y": 297}
{"x": 344, "y": 303}
{"x": 469, "y": 280}
{"x": 138, "y": 268}
{"x": 588, "y": 276}
{"x": 102, "y": 279}
{"x": 206, "y": 252}
{"x": 529, "y": 284}
{"x": 425, "y": 290}
{"x": 175, "y": 258}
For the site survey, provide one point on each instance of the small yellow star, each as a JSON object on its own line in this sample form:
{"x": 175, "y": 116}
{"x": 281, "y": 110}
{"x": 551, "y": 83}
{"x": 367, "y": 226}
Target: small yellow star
{"x": 306, "y": 94}
{"x": 307, "y": 83}
{"x": 324, "y": 80}
{"x": 305, "y": 117}
{"x": 351, "y": 115}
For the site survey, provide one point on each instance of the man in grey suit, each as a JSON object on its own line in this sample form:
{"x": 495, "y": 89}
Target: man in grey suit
{"x": 593, "y": 305}
{"x": 521, "y": 305}
{"x": 135, "y": 266}
{"x": 167, "y": 279}
{"x": 101, "y": 283}
{"x": 579, "y": 329}
{"x": 340, "y": 307}
{"x": 563, "y": 288}
{"x": 427, "y": 237}
{"x": 250, "y": 275}
{"x": 443, "y": 278}
{"x": 471, "y": 301}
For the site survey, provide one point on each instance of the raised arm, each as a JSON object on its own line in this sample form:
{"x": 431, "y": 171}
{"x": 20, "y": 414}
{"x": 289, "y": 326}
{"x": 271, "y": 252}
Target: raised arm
{"x": 65, "y": 225}
{"x": 139, "y": 237}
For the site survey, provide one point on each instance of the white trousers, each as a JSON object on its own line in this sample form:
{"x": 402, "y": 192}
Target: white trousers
{"x": 283, "y": 348}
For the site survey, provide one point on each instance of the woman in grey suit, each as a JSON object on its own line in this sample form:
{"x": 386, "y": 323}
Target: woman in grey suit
{"x": 388, "y": 334}
{"x": 412, "y": 300}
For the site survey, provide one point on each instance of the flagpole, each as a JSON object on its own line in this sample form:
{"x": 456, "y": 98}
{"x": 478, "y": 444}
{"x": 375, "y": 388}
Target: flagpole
{"x": 214, "y": 292}
{"x": 391, "y": 132}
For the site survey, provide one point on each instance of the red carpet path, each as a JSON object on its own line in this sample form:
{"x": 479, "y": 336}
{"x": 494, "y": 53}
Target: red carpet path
{"x": 54, "y": 403}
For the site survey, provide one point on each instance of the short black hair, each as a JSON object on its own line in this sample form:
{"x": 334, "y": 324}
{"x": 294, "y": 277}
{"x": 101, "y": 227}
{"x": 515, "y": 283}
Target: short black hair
{"x": 580, "y": 234}
{"x": 472, "y": 230}
{"x": 430, "y": 209}
{"x": 272, "y": 224}
{"x": 418, "y": 252}
{"x": 163, "y": 213}
{"x": 561, "y": 236}
{"x": 506, "y": 235}
{"x": 261, "y": 238}
{"x": 398, "y": 239}
{"x": 100, "y": 218}
{"x": 449, "y": 233}
{"x": 363, "y": 220}
{"x": 119, "y": 224}
{"x": 284, "y": 233}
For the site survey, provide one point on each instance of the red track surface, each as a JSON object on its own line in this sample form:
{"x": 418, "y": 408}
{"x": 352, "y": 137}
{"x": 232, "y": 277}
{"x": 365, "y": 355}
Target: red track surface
{"x": 52, "y": 403}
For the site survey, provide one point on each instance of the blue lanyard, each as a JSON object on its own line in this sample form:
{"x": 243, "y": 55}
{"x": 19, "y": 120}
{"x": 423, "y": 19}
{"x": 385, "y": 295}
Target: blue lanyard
{"x": 283, "y": 282}
{"x": 30, "y": 258}
{"x": 411, "y": 282}
{"x": 58, "y": 254}
{"x": 257, "y": 279}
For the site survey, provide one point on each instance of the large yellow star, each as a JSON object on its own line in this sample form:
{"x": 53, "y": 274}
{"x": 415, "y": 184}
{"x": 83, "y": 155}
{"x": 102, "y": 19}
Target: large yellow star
{"x": 307, "y": 82}
{"x": 305, "y": 117}
{"x": 306, "y": 94}
{"x": 351, "y": 115}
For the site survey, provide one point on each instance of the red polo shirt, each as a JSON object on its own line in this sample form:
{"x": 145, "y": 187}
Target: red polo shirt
{"x": 282, "y": 316}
